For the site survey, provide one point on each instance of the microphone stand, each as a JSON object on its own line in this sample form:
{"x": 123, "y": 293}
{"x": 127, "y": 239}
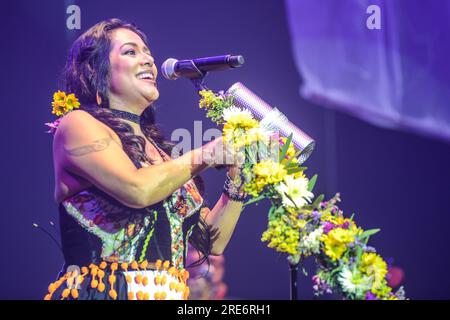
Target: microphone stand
{"x": 199, "y": 83}
{"x": 195, "y": 75}
{"x": 198, "y": 79}
{"x": 293, "y": 268}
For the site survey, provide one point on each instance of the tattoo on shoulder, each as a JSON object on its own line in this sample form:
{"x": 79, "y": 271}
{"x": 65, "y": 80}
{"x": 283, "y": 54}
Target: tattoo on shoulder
{"x": 97, "y": 145}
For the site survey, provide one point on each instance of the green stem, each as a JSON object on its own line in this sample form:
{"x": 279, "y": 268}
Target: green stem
{"x": 259, "y": 198}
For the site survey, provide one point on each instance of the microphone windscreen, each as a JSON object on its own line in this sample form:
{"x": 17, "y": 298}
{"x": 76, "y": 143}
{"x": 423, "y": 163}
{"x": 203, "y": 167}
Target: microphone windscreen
{"x": 168, "y": 69}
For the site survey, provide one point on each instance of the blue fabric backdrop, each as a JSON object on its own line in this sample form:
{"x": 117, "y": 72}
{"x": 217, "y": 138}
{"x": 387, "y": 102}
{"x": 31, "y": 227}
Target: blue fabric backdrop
{"x": 396, "y": 76}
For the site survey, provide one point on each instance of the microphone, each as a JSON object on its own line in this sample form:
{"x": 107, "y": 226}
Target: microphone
{"x": 172, "y": 69}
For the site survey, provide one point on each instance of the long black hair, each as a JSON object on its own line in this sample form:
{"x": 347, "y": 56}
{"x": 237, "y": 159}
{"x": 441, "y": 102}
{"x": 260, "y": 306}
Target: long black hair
{"x": 87, "y": 75}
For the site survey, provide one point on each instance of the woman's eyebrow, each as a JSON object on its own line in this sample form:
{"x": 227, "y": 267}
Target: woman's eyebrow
{"x": 133, "y": 44}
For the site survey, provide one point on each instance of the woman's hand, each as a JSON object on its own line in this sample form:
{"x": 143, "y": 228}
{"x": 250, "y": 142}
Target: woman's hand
{"x": 217, "y": 153}
{"x": 234, "y": 171}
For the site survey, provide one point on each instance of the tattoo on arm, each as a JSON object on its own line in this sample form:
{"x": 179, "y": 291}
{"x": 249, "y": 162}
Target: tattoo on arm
{"x": 97, "y": 145}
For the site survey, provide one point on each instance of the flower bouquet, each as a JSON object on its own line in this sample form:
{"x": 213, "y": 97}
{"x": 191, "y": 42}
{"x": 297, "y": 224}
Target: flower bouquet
{"x": 298, "y": 223}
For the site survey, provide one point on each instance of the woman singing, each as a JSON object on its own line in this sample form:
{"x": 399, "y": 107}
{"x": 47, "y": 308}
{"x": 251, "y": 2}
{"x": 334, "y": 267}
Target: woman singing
{"x": 127, "y": 209}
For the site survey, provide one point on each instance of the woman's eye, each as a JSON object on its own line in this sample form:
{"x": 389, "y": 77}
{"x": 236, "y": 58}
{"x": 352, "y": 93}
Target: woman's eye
{"x": 130, "y": 52}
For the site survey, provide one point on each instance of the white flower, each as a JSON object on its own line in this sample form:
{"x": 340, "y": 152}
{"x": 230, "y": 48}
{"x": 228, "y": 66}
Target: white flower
{"x": 354, "y": 282}
{"x": 232, "y": 111}
{"x": 310, "y": 244}
{"x": 295, "y": 189}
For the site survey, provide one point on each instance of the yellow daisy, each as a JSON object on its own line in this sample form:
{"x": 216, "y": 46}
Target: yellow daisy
{"x": 72, "y": 102}
{"x": 373, "y": 265}
{"x": 267, "y": 172}
{"x": 336, "y": 242}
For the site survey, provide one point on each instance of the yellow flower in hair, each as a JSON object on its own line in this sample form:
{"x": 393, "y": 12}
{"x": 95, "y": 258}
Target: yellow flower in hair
{"x": 58, "y": 103}
{"x": 72, "y": 101}
{"x": 63, "y": 103}
{"x": 59, "y": 96}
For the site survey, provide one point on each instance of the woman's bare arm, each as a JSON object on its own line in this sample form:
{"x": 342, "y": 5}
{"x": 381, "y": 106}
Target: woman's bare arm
{"x": 83, "y": 146}
{"x": 223, "y": 218}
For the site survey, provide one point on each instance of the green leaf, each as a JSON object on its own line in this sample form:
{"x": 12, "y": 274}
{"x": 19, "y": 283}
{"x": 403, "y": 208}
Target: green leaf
{"x": 251, "y": 154}
{"x": 359, "y": 252}
{"x": 289, "y": 197}
{"x": 336, "y": 270}
{"x": 318, "y": 200}
{"x": 291, "y": 165}
{"x": 271, "y": 211}
{"x": 285, "y": 147}
{"x": 293, "y": 170}
{"x": 312, "y": 183}
{"x": 280, "y": 210}
{"x": 368, "y": 233}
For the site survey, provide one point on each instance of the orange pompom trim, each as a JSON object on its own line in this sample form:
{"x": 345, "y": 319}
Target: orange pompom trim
{"x": 144, "y": 264}
{"x": 101, "y": 287}
{"x": 138, "y": 279}
{"x": 65, "y": 293}
{"x": 124, "y": 266}
{"x": 157, "y": 279}
{"x": 74, "y": 293}
{"x": 113, "y": 294}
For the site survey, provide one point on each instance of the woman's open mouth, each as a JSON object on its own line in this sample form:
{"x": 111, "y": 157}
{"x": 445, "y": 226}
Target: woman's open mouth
{"x": 146, "y": 76}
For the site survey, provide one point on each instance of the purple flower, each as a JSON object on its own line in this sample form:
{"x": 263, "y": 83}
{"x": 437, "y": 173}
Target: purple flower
{"x": 328, "y": 226}
{"x": 320, "y": 286}
{"x": 370, "y": 296}
{"x": 346, "y": 225}
{"x": 369, "y": 249}
{"x": 316, "y": 215}
{"x": 53, "y": 126}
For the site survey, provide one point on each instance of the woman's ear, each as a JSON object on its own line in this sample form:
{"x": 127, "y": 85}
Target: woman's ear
{"x": 98, "y": 98}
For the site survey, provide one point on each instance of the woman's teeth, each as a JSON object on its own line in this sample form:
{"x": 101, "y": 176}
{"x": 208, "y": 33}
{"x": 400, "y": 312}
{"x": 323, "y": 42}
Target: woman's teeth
{"x": 145, "y": 75}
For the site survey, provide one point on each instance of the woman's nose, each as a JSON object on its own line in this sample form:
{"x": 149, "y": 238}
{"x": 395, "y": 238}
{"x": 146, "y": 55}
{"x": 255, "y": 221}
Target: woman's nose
{"x": 148, "y": 61}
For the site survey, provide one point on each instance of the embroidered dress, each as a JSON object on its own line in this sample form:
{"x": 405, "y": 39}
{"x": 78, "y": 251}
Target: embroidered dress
{"x": 96, "y": 228}
{"x": 113, "y": 251}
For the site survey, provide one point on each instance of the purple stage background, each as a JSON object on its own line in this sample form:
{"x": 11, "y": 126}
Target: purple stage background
{"x": 393, "y": 180}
